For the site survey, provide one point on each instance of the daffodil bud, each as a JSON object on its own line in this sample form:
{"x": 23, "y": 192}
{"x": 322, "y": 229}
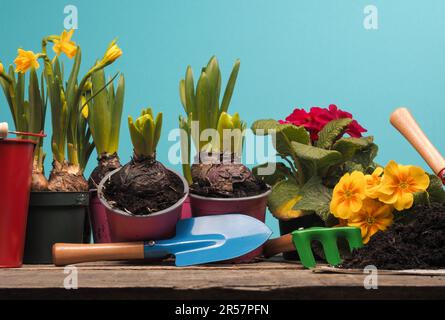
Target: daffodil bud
{"x": 113, "y": 52}
{"x": 88, "y": 86}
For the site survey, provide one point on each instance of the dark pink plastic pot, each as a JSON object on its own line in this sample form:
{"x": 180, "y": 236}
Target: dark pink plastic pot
{"x": 254, "y": 206}
{"x": 186, "y": 211}
{"x": 156, "y": 226}
{"x": 99, "y": 220}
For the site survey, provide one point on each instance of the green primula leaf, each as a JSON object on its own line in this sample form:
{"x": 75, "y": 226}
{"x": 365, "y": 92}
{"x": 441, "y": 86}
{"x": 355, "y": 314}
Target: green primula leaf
{"x": 348, "y": 147}
{"x": 262, "y": 127}
{"x": 284, "y": 193}
{"x": 363, "y": 160}
{"x": 331, "y": 132}
{"x": 421, "y": 198}
{"x": 435, "y": 189}
{"x": 281, "y": 173}
{"x": 320, "y": 158}
{"x": 285, "y": 134}
{"x": 316, "y": 198}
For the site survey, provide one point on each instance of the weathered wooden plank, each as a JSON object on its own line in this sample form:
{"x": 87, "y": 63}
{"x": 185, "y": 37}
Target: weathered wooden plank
{"x": 271, "y": 280}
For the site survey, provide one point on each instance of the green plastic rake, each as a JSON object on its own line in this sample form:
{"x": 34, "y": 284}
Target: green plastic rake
{"x": 301, "y": 241}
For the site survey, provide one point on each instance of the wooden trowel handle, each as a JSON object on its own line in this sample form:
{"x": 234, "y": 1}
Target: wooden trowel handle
{"x": 279, "y": 245}
{"x": 403, "y": 121}
{"x": 67, "y": 253}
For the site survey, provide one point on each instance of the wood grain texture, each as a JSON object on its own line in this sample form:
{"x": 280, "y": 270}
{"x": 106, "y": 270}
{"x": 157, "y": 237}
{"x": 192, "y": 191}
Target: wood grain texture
{"x": 67, "y": 253}
{"x": 271, "y": 279}
{"x": 403, "y": 121}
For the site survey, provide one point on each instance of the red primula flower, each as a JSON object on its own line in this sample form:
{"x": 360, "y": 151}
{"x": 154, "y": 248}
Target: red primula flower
{"x": 317, "y": 118}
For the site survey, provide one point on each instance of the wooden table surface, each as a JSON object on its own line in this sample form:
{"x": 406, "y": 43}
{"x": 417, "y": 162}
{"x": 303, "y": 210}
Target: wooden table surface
{"x": 275, "y": 279}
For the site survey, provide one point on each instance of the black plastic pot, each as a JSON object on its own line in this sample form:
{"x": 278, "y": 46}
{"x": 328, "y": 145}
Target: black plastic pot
{"x": 294, "y": 224}
{"x": 54, "y": 217}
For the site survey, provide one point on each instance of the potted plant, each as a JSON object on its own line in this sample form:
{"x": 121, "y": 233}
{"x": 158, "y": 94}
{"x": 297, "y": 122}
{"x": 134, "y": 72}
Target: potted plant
{"x": 314, "y": 157}
{"x": 60, "y": 214}
{"x": 28, "y": 115}
{"x": 21, "y": 159}
{"x": 219, "y": 182}
{"x": 104, "y": 119}
{"x": 143, "y": 199}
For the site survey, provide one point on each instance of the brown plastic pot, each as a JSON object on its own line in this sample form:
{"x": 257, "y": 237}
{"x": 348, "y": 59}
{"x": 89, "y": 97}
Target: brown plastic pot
{"x": 156, "y": 226}
{"x": 254, "y": 206}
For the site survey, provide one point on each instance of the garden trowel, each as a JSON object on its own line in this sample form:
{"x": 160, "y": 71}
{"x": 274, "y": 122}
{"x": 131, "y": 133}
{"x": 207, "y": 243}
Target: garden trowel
{"x": 198, "y": 240}
{"x": 403, "y": 121}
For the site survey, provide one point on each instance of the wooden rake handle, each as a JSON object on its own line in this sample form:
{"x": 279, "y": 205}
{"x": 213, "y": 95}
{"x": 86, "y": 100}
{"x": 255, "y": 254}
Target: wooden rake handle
{"x": 403, "y": 121}
{"x": 67, "y": 253}
{"x": 279, "y": 245}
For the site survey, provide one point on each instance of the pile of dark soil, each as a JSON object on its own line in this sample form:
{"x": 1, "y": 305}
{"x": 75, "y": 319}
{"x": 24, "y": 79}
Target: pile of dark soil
{"x": 416, "y": 241}
{"x": 230, "y": 180}
{"x": 143, "y": 187}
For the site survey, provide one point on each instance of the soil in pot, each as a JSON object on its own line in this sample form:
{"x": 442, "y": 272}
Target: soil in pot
{"x": 143, "y": 186}
{"x": 416, "y": 241}
{"x": 225, "y": 180}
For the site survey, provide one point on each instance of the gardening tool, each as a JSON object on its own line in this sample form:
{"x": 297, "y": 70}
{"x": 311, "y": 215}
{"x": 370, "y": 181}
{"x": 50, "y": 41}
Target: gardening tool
{"x": 403, "y": 121}
{"x": 4, "y": 130}
{"x": 197, "y": 241}
{"x": 302, "y": 239}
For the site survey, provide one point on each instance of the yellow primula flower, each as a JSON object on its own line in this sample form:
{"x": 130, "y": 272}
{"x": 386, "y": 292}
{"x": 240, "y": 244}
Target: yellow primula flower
{"x": 373, "y": 216}
{"x": 25, "y": 61}
{"x": 285, "y": 211}
{"x": 113, "y": 52}
{"x": 65, "y": 45}
{"x": 398, "y": 184}
{"x": 373, "y": 183}
{"x": 348, "y": 195}
{"x": 2, "y": 69}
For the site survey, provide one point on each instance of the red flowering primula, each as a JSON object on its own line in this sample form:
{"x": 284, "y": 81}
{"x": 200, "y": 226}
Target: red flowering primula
{"x": 317, "y": 118}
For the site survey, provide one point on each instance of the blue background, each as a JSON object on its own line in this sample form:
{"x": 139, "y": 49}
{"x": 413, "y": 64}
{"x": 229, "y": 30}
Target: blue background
{"x": 293, "y": 53}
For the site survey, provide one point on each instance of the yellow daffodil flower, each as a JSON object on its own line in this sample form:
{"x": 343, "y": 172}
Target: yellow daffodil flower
{"x": 113, "y": 52}
{"x": 373, "y": 216}
{"x": 85, "y": 109}
{"x": 398, "y": 184}
{"x": 25, "y": 61}
{"x": 285, "y": 211}
{"x": 373, "y": 183}
{"x": 2, "y": 69}
{"x": 65, "y": 45}
{"x": 348, "y": 195}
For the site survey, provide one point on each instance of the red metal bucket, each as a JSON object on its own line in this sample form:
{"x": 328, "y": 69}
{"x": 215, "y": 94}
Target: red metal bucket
{"x": 16, "y": 157}
{"x": 254, "y": 206}
{"x": 99, "y": 219}
{"x": 157, "y": 226}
